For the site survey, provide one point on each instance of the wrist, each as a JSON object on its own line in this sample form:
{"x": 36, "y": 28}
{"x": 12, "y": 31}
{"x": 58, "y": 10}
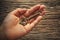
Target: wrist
{"x": 2, "y": 33}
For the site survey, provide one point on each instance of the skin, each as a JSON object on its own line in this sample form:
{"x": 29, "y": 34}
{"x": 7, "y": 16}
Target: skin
{"x": 11, "y": 25}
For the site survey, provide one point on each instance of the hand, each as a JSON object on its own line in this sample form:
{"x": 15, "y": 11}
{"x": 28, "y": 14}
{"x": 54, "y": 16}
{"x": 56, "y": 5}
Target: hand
{"x": 11, "y": 24}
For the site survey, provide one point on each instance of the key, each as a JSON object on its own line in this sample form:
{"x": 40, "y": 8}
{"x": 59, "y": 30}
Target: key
{"x": 25, "y": 20}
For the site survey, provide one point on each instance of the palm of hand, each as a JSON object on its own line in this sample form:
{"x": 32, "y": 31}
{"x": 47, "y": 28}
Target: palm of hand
{"x": 13, "y": 28}
{"x": 11, "y": 24}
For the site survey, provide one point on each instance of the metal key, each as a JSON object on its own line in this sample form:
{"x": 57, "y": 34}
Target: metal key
{"x": 25, "y": 20}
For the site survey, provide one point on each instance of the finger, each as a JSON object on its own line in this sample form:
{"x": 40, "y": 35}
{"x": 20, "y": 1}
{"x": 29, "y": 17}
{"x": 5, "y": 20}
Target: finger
{"x": 36, "y": 21}
{"x": 43, "y": 13}
{"x": 32, "y": 10}
{"x": 42, "y": 8}
{"x": 31, "y": 20}
{"x": 38, "y": 18}
{"x": 18, "y": 12}
{"x": 29, "y": 26}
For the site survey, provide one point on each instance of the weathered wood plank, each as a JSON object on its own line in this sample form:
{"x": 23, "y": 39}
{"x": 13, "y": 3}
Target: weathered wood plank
{"x": 48, "y": 28}
{"x": 31, "y": 0}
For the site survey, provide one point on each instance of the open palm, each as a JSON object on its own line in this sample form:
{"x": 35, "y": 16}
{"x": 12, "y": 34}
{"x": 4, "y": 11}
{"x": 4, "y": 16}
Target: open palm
{"x": 11, "y": 24}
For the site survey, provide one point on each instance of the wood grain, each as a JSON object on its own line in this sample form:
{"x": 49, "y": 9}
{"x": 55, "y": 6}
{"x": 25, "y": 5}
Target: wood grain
{"x": 47, "y": 29}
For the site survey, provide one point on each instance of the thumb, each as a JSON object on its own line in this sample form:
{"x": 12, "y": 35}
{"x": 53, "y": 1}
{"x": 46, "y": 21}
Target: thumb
{"x": 18, "y": 12}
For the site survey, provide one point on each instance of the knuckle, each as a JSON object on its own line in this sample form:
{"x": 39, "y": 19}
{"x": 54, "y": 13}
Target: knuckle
{"x": 18, "y": 8}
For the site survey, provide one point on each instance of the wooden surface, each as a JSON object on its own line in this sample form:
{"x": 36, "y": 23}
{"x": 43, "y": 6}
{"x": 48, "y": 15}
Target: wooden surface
{"x": 48, "y": 28}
